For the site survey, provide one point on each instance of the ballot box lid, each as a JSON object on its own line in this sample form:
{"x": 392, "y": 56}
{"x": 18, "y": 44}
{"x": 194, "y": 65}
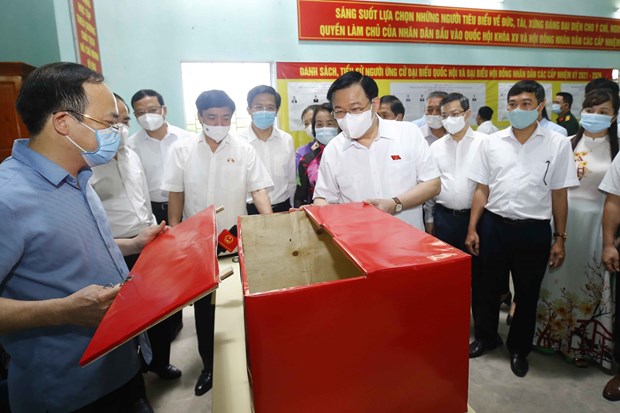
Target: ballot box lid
{"x": 377, "y": 241}
{"x": 174, "y": 270}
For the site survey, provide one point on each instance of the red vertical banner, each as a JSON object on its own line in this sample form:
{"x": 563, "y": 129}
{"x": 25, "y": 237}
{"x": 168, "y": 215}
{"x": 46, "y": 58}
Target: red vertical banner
{"x": 86, "y": 39}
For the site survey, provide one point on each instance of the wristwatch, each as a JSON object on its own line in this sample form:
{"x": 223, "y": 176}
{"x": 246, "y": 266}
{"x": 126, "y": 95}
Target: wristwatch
{"x": 560, "y": 234}
{"x": 399, "y": 205}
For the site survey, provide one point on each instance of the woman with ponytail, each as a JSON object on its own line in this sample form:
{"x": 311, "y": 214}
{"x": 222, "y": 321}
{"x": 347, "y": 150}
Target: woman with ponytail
{"x": 575, "y": 309}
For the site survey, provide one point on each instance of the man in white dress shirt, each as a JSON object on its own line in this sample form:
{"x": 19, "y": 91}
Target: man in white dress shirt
{"x": 213, "y": 168}
{"x": 522, "y": 175}
{"x": 483, "y": 120}
{"x": 273, "y": 146}
{"x": 121, "y": 186}
{"x": 611, "y": 259}
{"x": 152, "y": 144}
{"x": 383, "y": 162}
{"x": 543, "y": 120}
{"x": 454, "y": 154}
{"x": 430, "y": 124}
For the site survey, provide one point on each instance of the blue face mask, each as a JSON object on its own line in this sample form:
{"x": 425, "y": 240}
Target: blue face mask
{"x": 521, "y": 119}
{"x": 595, "y": 123}
{"x": 108, "y": 141}
{"x": 556, "y": 108}
{"x": 263, "y": 119}
{"x": 324, "y": 135}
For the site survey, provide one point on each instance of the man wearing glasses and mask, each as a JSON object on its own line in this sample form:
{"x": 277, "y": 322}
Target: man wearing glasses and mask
{"x": 447, "y": 216}
{"x": 387, "y": 164}
{"x": 152, "y": 144}
{"x": 60, "y": 268}
{"x": 273, "y": 146}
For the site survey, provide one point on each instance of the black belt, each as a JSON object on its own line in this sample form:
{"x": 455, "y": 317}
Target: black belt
{"x": 286, "y": 203}
{"x": 162, "y": 205}
{"x": 510, "y": 221}
{"x": 452, "y": 211}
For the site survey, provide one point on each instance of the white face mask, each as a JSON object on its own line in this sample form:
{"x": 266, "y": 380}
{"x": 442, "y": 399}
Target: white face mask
{"x": 151, "y": 121}
{"x": 434, "y": 121}
{"x": 354, "y": 126}
{"x": 216, "y": 133}
{"x": 325, "y": 135}
{"x": 453, "y": 124}
{"x": 309, "y": 131}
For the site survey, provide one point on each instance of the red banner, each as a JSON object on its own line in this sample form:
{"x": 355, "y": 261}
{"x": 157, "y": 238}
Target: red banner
{"x": 437, "y": 72}
{"x": 87, "y": 41}
{"x": 414, "y": 23}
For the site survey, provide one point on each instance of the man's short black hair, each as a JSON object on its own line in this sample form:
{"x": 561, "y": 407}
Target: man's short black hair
{"x": 396, "y": 106}
{"x": 214, "y": 99}
{"x": 142, "y": 93}
{"x": 354, "y": 78}
{"x": 51, "y": 88}
{"x": 258, "y": 90}
{"x": 602, "y": 83}
{"x": 485, "y": 113}
{"x": 527, "y": 86}
{"x": 453, "y": 97}
{"x": 567, "y": 97}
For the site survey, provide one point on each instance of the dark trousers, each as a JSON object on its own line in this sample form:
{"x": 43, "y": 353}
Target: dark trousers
{"x": 521, "y": 248}
{"x": 204, "y": 313}
{"x": 450, "y": 226}
{"x": 281, "y": 207}
{"x": 161, "y": 334}
{"x": 122, "y": 399}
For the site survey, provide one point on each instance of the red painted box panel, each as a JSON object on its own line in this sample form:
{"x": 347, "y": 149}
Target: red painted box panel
{"x": 378, "y": 320}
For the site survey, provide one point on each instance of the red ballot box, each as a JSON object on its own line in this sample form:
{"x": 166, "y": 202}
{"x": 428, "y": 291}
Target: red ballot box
{"x": 348, "y": 309}
{"x": 174, "y": 270}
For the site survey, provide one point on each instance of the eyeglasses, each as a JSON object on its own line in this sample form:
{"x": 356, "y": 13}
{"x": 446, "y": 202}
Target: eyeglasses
{"x": 260, "y": 108}
{"x": 115, "y": 126}
{"x": 452, "y": 114}
{"x": 339, "y": 114}
{"x": 152, "y": 109}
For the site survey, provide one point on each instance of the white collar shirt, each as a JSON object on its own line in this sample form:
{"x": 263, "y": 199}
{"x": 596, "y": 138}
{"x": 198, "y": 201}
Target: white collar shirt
{"x": 546, "y": 123}
{"x": 487, "y": 128}
{"x": 278, "y": 155}
{"x": 428, "y": 134}
{"x": 220, "y": 178}
{"x": 611, "y": 180}
{"x": 121, "y": 186}
{"x": 397, "y": 160}
{"x": 153, "y": 154}
{"x": 521, "y": 177}
{"x": 455, "y": 161}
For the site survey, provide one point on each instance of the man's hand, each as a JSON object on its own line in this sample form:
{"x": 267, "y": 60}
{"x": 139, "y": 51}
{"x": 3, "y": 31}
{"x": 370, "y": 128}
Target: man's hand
{"x": 87, "y": 306}
{"x": 611, "y": 259}
{"x": 385, "y": 205}
{"x": 556, "y": 257}
{"x": 472, "y": 242}
{"x": 429, "y": 227}
{"x": 149, "y": 234}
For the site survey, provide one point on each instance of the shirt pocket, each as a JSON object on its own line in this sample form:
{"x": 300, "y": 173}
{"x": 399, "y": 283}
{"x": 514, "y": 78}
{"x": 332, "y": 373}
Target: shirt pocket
{"x": 540, "y": 172}
{"x": 280, "y": 167}
{"x": 350, "y": 187}
{"x": 400, "y": 176}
